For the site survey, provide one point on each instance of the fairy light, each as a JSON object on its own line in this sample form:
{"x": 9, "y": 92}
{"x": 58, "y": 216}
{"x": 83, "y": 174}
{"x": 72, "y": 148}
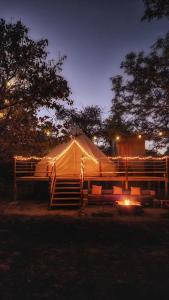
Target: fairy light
{"x": 48, "y": 132}
{"x": 139, "y": 136}
{"x": 117, "y": 138}
{"x": 137, "y": 157}
{"x": 6, "y": 102}
{"x": 19, "y": 157}
{"x": 11, "y": 82}
{"x": 1, "y": 115}
{"x": 94, "y": 139}
{"x": 90, "y": 157}
{"x": 160, "y": 133}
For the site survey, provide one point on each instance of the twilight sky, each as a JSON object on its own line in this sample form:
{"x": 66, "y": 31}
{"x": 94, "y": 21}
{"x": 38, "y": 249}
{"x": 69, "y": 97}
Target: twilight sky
{"x": 95, "y": 35}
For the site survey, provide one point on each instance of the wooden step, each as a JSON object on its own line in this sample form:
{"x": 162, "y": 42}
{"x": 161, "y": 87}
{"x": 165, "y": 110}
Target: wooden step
{"x": 65, "y": 198}
{"x": 68, "y": 182}
{"x": 66, "y": 193}
{"x": 65, "y": 204}
{"x": 67, "y": 188}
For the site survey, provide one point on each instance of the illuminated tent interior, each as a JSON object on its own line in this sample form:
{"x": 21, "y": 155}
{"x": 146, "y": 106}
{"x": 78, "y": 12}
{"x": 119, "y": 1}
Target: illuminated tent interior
{"x": 66, "y": 159}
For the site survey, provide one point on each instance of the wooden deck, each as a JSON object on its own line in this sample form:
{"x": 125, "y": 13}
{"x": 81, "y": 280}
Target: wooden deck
{"x": 147, "y": 170}
{"x": 100, "y": 178}
{"x": 123, "y": 178}
{"x": 32, "y": 178}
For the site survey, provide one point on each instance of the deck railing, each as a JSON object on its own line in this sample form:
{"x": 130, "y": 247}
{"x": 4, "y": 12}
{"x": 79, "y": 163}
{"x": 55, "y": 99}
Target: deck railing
{"x": 25, "y": 166}
{"x": 127, "y": 166}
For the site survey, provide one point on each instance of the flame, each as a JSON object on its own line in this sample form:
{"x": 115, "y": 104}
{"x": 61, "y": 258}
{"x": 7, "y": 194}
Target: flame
{"x": 127, "y": 202}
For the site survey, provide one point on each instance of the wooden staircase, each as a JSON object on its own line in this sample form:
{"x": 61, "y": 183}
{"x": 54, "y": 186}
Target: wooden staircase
{"x": 65, "y": 192}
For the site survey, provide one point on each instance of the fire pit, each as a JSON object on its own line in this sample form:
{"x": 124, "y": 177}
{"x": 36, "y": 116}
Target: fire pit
{"x": 129, "y": 206}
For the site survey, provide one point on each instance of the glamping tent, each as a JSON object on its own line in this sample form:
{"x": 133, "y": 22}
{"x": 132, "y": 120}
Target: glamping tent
{"x": 66, "y": 158}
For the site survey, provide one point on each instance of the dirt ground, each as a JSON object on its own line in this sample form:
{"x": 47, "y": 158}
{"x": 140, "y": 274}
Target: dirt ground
{"x": 61, "y": 254}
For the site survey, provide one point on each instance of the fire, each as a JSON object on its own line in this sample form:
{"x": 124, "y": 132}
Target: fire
{"x": 127, "y": 202}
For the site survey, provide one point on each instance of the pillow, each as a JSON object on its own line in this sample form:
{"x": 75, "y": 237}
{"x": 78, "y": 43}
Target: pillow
{"x": 117, "y": 190}
{"x": 135, "y": 191}
{"x": 96, "y": 190}
{"x": 145, "y": 192}
{"x": 152, "y": 192}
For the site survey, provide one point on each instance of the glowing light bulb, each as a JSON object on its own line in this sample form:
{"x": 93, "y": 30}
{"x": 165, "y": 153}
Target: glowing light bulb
{"x": 117, "y": 138}
{"x": 48, "y": 132}
{"x": 1, "y": 115}
{"x": 7, "y": 101}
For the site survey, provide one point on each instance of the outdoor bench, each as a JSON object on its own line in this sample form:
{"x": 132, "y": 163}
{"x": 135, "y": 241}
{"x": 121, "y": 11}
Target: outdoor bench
{"x": 107, "y": 197}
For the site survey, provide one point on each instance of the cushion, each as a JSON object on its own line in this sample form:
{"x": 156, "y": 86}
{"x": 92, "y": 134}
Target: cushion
{"x": 152, "y": 192}
{"x": 145, "y": 192}
{"x": 135, "y": 191}
{"x": 148, "y": 192}
{"x": 96, "y": 190}
{"x": 117, "y": 190}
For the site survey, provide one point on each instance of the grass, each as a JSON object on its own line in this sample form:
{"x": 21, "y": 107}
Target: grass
{"x": 67, "y": 257}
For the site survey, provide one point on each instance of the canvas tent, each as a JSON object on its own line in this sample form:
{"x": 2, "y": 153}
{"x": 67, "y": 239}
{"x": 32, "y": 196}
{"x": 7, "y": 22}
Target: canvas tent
{"x": 66, "y": 158}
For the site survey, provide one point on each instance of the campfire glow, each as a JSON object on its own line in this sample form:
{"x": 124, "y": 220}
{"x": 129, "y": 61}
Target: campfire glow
{"x": 128, "y": 202}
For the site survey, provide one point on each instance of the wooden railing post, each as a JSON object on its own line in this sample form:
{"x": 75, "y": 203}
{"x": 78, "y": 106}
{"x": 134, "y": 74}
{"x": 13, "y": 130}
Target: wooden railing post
{"x": 126, "y": 174}
{"x": 83, "y": 198}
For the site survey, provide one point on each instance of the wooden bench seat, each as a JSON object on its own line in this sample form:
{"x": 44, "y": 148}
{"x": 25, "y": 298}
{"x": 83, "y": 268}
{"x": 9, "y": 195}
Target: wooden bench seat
{"x": 107, "y": 197}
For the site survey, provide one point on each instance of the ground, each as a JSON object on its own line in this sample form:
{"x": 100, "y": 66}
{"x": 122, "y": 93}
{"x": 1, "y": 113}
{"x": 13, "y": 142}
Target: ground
{"x": 100, "y": 255}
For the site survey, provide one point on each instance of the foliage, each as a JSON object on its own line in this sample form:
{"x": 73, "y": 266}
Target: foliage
{"x": 88, "y": 119}
{"x": 28, "y": 82}
{"x": 156, "y": 9}
{"x": 141, "y": 95}
{"x": 144, "y": 96}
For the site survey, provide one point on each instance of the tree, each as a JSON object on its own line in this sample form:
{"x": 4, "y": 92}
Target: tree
{"x": 143, "y": 96}
{"x": 28, "y": 82}
{"x": 156, "y": 9}
{"x": 88, "y": 119}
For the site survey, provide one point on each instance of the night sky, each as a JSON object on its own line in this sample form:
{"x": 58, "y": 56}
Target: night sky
{"x": 95, "y": 35}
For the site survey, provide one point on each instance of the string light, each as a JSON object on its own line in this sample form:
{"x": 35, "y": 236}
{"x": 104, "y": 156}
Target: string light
{"x": 117, "y": 138}
{"x": 48, "y": 132}
{"x": 139, "y": 136}
{"x": 94, "y": 139}
{"x": 138, "y": 157}
{"x": 1, "y": 115}
{"x": 19, "y": 157}
{"x": 11, "y": 82}
{"x": 7, "y": 101}
{"x": 90, "y": 157}
{"x": 160, "y": 133}
{"x": 53, "y": 159}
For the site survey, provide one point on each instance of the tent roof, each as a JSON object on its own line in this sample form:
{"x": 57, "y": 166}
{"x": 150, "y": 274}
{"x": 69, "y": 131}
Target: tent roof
{"x": 84, "y": 143}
